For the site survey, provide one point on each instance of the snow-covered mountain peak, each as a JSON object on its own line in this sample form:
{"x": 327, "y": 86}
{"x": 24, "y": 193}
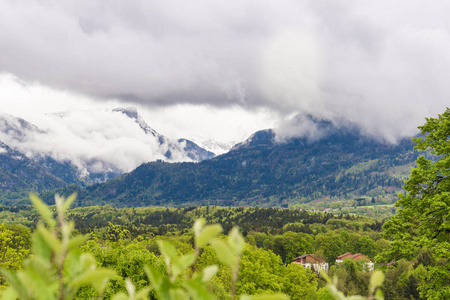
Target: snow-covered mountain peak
{"x": 129, "y": 111}
{"x": 13, "y": 128}
{"x": 214, "y": 146}
{"x": 132, "y": 113}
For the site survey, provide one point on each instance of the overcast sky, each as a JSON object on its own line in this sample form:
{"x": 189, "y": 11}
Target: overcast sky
{"x": 223, "y": 69}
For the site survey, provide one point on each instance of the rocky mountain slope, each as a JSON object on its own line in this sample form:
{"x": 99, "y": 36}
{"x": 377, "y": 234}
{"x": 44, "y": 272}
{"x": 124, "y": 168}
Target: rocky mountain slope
{"x": 18, "y": 172}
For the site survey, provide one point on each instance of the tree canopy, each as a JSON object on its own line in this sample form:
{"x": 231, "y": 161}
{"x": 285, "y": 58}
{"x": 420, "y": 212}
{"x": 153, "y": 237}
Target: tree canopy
{"x": 423, "y": 218}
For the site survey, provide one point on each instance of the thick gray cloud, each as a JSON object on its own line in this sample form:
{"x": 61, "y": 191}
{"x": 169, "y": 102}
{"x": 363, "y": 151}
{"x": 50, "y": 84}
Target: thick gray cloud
{"x": 382, "y": 65}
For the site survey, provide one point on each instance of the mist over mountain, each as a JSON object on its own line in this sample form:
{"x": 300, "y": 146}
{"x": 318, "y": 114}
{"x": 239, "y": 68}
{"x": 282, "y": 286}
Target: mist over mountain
{"x": 264, "y": 171}
{"x": 214, "y": 146}
{"x": 175, "y": 150}
{"x": 85, "y": 147}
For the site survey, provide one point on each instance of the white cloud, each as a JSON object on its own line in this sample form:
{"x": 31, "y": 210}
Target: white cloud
{"x": 93, "y": 140}
{"x": 199, "y": 123}
{"x": 99, "y": 136}
{"x": 382, "y": 65}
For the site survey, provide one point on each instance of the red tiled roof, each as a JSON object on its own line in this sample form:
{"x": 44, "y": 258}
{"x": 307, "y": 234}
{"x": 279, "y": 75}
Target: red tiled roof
{"x": 353, "y": 256}
{"x": 305, "y": 256}
{"x": 340, "y": 257}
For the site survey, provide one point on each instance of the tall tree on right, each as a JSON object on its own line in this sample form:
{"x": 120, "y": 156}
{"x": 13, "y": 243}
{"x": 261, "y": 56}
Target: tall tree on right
{"x": 423, "y": 217}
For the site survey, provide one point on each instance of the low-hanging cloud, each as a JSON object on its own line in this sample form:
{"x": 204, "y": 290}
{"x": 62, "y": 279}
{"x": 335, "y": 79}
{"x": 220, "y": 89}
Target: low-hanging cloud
{"x": 382, "y": 65}
{"x": 95, "y": 141}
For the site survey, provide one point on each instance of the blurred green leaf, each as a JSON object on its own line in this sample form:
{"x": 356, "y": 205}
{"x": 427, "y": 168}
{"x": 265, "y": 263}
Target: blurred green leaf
{"x": 66, "y": 230}
{"x": 178, "y": 294}
{"x": 236, "y": 241}
{"x": 198, "y": 226}
{"x": 379, "y": 295}
{"x": 130, "y": 288}
{"x": 209, "y": 272}
{"x": 76, "y": 242}
{"x": 68, "y": 202}
{"x": 120, "y": 296}
{"x": 167, "y": 250}
{"x": 87, "y": 261}
{"x": 16, "y": 283}
{"x": 38, "y": 286}
{"x": 208, "y": 233}
{"x": 43, "y": 210}
{"x": 41, "y": 268}
{"x": 72, "y": 265}
{"x": 224, "y": 253}
{"x": 10, "y": 294}
{"x": 376, "y": 281}
{"x": 97, "y": 278}
{"x": 160, "y": 283}
{"x": 143, "y": 293}
{"x": 197, "y": 289}
{"x": 50, "y": 239}
{"x": 182, "y": 263}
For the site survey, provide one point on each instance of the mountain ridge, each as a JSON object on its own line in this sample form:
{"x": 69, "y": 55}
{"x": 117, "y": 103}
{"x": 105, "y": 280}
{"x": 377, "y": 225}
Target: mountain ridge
{"x": 264, "y": 172}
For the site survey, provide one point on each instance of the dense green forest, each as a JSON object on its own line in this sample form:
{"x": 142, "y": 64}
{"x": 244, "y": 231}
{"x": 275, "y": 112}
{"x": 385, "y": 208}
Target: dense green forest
{"x": 124, "y": 239}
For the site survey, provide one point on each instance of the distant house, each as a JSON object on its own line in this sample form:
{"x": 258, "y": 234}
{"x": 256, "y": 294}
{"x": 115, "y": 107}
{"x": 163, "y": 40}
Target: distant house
{"x": 311, "y": 260}
{"x": 356, "y": 257}
{"x": 345, "y": 255}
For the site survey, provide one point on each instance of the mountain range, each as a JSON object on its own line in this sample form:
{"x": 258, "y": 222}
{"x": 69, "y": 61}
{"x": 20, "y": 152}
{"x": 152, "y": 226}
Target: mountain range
{"x": 263, "y": 171}
{"x": 117, "y": 158}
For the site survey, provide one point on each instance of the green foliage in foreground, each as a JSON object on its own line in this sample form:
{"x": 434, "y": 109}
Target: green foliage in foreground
{"x": 57, "y": 269}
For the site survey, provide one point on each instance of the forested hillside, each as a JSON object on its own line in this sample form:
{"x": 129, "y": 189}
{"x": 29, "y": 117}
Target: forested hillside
{"x": 19, "y": 173}
{"x": 264, "y": 172}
